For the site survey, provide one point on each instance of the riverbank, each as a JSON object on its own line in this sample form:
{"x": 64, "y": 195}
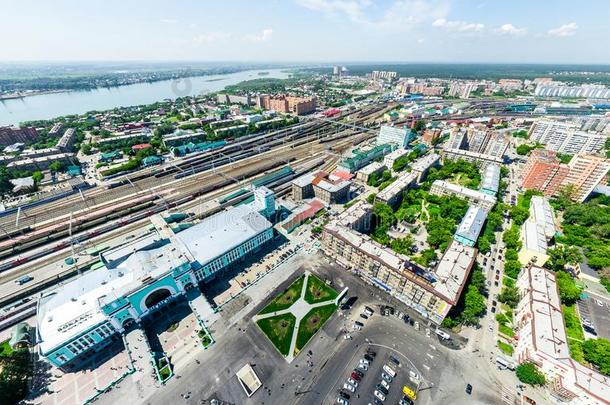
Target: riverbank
{"x": 57, "y": 104}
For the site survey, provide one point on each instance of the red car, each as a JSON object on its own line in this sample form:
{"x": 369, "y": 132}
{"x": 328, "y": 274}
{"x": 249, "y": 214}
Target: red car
{"x": 355, "y": 376}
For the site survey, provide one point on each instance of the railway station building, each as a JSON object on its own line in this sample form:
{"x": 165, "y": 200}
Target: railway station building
{"x": 82, "y": 317}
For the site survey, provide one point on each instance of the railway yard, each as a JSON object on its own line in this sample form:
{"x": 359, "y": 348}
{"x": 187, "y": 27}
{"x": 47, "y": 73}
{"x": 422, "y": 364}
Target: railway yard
{"x": 36, "y": 241}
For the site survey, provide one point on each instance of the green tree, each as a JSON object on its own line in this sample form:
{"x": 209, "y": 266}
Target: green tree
{"x": 509, "y": 296}
{"x": 568, "y": 291}
{"x": 55, "y": 167}
{"x": 562, "y": 255}
{"x": 15, "y": 370}
{"x": 474, "y": 306}
{"x": 597, "y": 351}
{"x": 402, "y": 245}
{"x": 37, "y": 176}
{"x": 371, "y": 198}
{"x": 528, "y": 373}
{"x": 512, "y": 268}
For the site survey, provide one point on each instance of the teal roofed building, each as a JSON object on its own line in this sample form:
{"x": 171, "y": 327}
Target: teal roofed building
{"x": 110, "y": 156}
{"x": 361, "y": 159}
{"x": 74, "y": 170}
{"x": 152, "y": 160}
{"x": 84, "y": 316}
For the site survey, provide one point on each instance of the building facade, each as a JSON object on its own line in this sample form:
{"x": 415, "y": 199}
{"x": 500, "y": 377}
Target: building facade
{"x": 566, "y": 137}
{"x": 431, "y": 293}
{"x": 394, "y": 135}
{"x": 83, "y": 316}
{"x": 441, "y": 187}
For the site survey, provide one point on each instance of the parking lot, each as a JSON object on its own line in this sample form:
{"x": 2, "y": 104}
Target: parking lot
{"x": 595, "y": 312}
{"x": 368, "y": 377}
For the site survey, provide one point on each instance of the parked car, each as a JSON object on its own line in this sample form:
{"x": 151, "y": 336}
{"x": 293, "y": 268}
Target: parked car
{"x": 386, "y": 377}
{"x": 355, "y": 376}
{"x": 352, "y": 382}
{"x": 363, "y": 316}
{"x": 385, "y": 384}
{"x": 468, "y": 389}
{"x": 349, "y": 387}
{"x": 382, "y": 389}
{"x": 364, "y": 361}
{"x": 342, "y": 401}
{"x": 394, "y": 360}
{"x": 379, "y": 395}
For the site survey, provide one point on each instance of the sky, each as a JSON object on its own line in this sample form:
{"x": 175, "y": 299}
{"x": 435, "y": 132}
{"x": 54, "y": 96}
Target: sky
{"x": 515, "y": 31}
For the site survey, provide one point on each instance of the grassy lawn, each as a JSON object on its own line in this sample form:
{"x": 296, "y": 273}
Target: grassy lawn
{"x": 505, "y": 330}
{"x": 279, "y": 330}
{"x": 506, "y": 348}
{"x": 574, "y": 332}
{"x": 312, "y": 322}
{"x": 318, "y": 291}
{"x": 286, "y": 298}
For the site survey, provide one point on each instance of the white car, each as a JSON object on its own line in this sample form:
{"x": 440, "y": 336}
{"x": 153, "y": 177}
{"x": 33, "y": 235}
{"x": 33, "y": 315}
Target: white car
{"x": 363, "y": 367}
{"x": 385, "y": 384}
{"x": 352, "y": 382}
{"x": 379, "y": 396}
{"x": 349, "y": 387}
{"x": 342, "y": 401}
{"x": 347, "y": 337}
{"x": 365, "y": 361}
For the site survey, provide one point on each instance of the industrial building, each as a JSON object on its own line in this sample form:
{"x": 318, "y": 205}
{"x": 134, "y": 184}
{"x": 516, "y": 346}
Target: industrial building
{"x": 394, "y": 135}
{"x": 83, "y": 316}
{"x": 330, "y": 188}
{"x": 490, "y": 183}
{"x": 441, "y": 187}
{"x": 541, "y": 338}
{"x": 430, "y": 293}
{"x": 472, "y": 223}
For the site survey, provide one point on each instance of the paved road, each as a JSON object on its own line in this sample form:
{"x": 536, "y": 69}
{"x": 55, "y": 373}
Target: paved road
{"x": 311, "y": 378}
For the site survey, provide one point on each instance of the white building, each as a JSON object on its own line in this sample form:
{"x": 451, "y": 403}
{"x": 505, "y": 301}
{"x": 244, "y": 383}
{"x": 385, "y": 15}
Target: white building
{"x": 566, "y": 137}
{"x": 441, "y": 187}
{"x": 394, "y": 135}
{"x": 541, "y": 338}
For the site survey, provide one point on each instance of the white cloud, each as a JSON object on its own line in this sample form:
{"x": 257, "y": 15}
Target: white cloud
{"x": 566, "y": 30}
{"x": 458, "y": 26}
{"x": 509, "y": 29}
{"x": 264, "y": 36}
{"x": 421, "y": 41}
{"x": 400, "y": 16}
{"x": 211, "y": 37}
{"x": 169, "y": 21}
{"x": 354, "y": 9}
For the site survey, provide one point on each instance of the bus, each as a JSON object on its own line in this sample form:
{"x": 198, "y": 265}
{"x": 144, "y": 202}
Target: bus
{"x": 409, "y": 393}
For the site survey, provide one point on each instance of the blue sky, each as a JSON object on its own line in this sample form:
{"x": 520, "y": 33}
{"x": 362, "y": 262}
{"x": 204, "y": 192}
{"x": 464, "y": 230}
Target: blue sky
{"x": 533, "y": 31}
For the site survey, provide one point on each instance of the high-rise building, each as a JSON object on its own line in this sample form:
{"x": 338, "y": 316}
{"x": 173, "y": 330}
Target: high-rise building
{"x": 543, "y": 172}
{"x": 394, "y": 135}
{"x": 566, "y": 137}
{"x": 560, "y": 90}
{"x": 382, "y": 74}
{"x": 585, "y": 173}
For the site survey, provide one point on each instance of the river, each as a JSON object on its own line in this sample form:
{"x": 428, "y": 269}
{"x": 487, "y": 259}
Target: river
{"x": 46, "y": 106}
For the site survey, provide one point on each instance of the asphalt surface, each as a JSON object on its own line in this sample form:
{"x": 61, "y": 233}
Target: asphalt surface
{"x": 327, "y": 360}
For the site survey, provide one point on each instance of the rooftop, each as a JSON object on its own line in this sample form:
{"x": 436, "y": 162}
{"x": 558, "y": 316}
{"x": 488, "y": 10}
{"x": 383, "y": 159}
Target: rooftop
{"x": 452, "y": 271}
{"x": 491, "y": 178}
{"x": 472, "y": 223}
{"x": 465, "y": 191}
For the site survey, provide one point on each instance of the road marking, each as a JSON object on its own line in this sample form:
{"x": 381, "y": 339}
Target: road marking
{"x": 432, "y": 347}
{"x": 429, "y": 355}
{"x": 426, "y": 367}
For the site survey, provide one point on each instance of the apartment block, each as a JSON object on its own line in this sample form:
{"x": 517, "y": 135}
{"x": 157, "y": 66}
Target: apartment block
{"x": 566, "y": 137}
{"x": 394, "y": 135}
{"x": 541, "y": 338}
{"x": 441, "y": 187}
{"x": 585, "y": 172}
{"x": 432, "y": 293}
